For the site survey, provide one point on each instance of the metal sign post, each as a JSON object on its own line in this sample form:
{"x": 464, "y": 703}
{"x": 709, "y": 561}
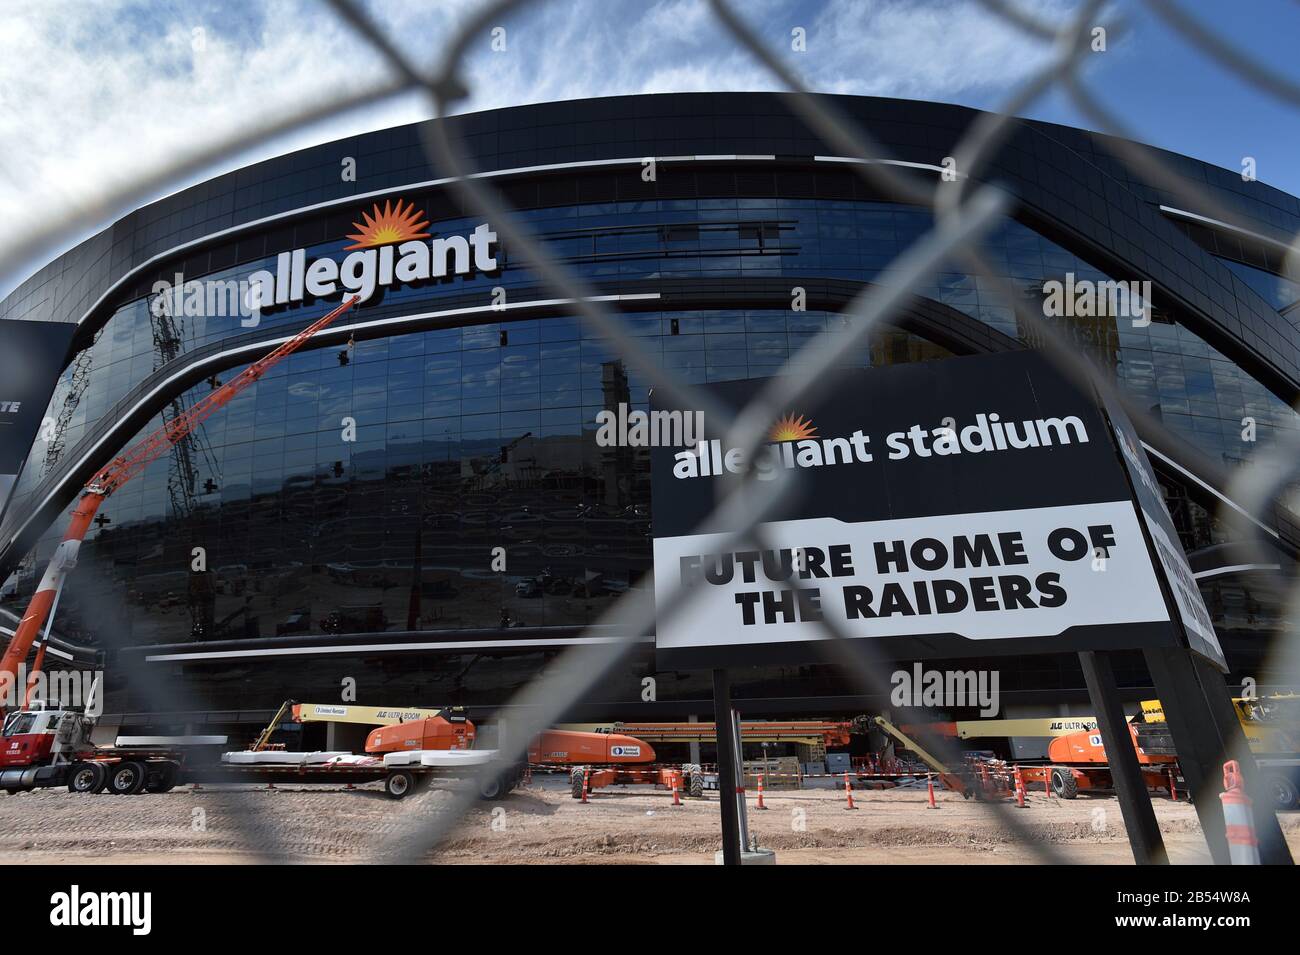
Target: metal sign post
{"x": 1206, "y": 733}
{"x": 1189, "y": 677}
{"x": 1126, "y": 774}
{"x": 728, "y": 780}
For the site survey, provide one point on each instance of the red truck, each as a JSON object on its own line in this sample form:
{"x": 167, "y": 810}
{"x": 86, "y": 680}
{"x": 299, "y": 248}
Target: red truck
{"x": 42, "y": 748}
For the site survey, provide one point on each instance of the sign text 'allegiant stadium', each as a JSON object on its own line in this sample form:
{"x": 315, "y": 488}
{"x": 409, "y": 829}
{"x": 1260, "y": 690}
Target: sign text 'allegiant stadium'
{"x": 798, "y": 446}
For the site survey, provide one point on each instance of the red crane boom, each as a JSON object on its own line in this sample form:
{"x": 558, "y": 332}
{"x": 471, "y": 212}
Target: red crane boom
{"x": 107, "y": 480}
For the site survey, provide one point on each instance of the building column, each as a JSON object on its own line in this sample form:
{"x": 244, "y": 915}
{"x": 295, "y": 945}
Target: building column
{"x": 695, "y": 746}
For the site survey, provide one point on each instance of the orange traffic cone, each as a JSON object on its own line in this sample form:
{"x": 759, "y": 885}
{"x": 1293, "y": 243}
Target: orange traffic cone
{"x": 929, "y": 792}
{"x": 848, "y": 793}
{"x": 1243, "y": 848}
{"x": 760, "y": 793}
{"x": 584, "y": 786}
{"x": 677, "y": 796}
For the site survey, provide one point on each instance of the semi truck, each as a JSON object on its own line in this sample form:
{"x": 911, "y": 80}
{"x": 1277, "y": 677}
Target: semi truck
{"x": 46, "y": 748}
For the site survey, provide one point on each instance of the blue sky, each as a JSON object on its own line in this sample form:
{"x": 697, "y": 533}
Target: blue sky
{"x": 1171, "y": 95}
{"x": 94, "y": 95}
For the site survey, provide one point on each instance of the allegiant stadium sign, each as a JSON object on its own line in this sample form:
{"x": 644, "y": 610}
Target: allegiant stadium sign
{"x": 390, "y": 247}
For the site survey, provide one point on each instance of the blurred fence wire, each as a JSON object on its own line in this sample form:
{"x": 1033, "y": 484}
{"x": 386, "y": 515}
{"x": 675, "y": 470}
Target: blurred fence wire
{"x": 963, "y": 210}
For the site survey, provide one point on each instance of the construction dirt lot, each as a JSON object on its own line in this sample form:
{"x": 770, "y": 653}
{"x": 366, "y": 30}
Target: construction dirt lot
{"x": 542, "y": 823}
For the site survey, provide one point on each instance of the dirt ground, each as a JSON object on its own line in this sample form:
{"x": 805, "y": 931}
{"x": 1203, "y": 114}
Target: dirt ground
{"x": 543, "y": 824}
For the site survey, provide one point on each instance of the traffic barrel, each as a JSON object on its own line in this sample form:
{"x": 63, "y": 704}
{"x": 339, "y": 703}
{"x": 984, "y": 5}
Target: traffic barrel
{"x": 1243, "y": 849}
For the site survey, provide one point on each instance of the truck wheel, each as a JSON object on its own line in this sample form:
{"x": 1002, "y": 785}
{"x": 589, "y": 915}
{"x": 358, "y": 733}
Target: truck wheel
{"x": 502, "y": 784}
{"x": 160, "y": 778}
{"x": 695, "y": 783}
{"x": 575, "y": 782}
{"x": 126, "y": 779}
{"x": 399, "y": 783}
{"x": 1283, "y": 792}
{"x": 87, "y": 778}
{"x": 1063, "y": 783}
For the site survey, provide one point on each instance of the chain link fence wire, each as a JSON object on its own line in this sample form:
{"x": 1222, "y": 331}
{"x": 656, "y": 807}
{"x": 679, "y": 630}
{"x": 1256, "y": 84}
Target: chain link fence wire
{"x": 963, "y": 211}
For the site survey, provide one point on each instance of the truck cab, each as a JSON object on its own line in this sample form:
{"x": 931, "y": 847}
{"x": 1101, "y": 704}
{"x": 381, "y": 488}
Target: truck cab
{"x": 37, "y": 746}
{"x": 36, "y": 736}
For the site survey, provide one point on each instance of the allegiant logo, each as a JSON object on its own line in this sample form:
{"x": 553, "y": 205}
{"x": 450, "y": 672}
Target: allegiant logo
{"x": 795, "y": 444}
{"x": 389, "y": 247}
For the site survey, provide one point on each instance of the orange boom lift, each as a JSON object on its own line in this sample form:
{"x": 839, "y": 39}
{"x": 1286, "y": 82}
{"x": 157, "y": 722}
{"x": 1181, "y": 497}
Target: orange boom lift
{"x": 107, "y": 480}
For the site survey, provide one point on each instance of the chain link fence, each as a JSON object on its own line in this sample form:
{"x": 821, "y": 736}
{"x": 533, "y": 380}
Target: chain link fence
{"x": 964, "y": 210}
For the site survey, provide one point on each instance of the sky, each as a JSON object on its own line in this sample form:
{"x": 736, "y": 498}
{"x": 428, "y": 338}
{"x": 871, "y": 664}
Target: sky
{"x": 95, "y": 95}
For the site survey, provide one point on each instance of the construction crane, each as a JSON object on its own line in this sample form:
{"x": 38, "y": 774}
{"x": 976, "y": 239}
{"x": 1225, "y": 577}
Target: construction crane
{"x": 186, "y": 454}
{"x": 107, "y": 480}
{"x": 182, "y": 477}
{"x": 77, "y": 385}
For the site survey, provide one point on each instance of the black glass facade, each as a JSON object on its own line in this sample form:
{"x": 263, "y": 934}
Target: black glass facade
{"x": 361, "y": 488}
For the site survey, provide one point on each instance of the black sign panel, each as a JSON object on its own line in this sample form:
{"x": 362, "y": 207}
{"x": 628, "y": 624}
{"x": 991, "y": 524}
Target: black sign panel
{"x": 958, "y": 508}
{"x": 32, "y": 354}
{"x": 1198, "y": 626}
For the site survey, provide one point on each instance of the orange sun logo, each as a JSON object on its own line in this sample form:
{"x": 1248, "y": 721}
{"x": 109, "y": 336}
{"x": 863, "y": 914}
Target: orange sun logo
{"x": 791, "y": 428}
{"x": 389, "y": 225}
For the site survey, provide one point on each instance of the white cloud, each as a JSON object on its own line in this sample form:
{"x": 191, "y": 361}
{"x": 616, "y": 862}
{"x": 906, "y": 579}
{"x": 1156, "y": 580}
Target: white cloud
{"x": 93, "y": 95}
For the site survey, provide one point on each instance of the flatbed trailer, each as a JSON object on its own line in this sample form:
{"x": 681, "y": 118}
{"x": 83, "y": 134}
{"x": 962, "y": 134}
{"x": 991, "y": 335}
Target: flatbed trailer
{"x": 120, "y": 769}
{"x": 399, "y": 780}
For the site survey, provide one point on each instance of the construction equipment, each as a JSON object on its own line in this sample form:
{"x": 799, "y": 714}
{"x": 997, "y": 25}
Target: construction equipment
{"x": 78, "y": 382}
{"x": 1271, "y": 725}
{"x": 1076, "y": 759}
{"x": 449, "y": 730}
{"x": 1078, "y": 763}
{"x": 950, "y": 779}
{"x": 355, "y": 713}
{"x": 107, "y": 480}
{"x": 417, "y": 740}
{"x": 598, "y": 759}
{"x": 51, "y": 747}
{"x": 827, "y": 733}
{"x": 601, "y": 759}
{"x": 193, "y": 446}
{"x": 264, "y": 737}
{"x": 629, "y": 743}
{"x": 403, "y": 755}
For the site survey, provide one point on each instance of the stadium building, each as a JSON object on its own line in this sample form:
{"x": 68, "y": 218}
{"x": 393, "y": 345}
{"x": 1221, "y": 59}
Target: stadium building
{"x": 349, "y": 504}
